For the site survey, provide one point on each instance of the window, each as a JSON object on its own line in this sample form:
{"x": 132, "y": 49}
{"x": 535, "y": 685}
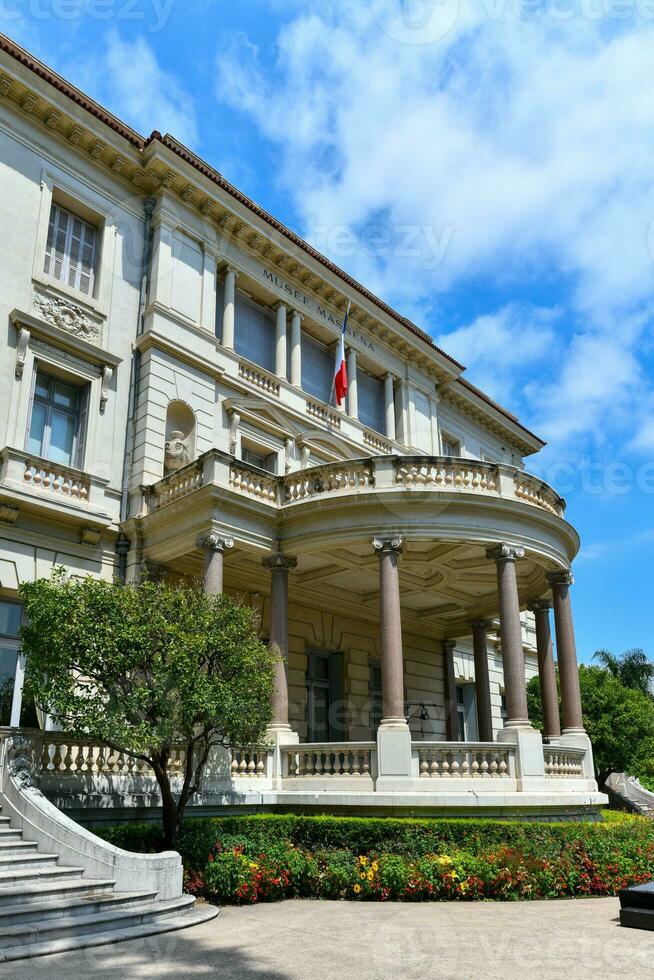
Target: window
{"x": 324, "y": 697}
{"x": 451, "y": 446}
{"x": 503, "y": 711}
{"x": 57, "y": 421}
{"x": 265, "y": 461}
{"x": 466, "y": 712}
{"x": 376, "y": 704}
{"x": 71, "y": 249}
{"x": 370, "y": 392}
{"x": 10, "y": 616}
{"x": 317, "y": 369}
{"x": 254, "y": 333}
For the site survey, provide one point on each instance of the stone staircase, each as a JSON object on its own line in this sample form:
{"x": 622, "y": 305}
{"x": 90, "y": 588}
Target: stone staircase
{"x": 49, "y": 908}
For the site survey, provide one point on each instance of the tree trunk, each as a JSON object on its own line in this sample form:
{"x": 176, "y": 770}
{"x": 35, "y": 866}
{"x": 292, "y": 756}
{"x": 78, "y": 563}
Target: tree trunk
{"x": 170, "y": 812}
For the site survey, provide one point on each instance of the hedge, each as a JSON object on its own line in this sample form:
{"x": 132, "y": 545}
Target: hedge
{"x": 267, "y": 857}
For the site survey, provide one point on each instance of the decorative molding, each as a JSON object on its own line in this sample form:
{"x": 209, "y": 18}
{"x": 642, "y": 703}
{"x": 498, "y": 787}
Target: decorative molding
{"x": 21, "y": 350}
{"x": 540, "y": 605}
{"x": 279, "y": 560}
{"x": 52, "y": 119}
{"x": 90, "y": 535}
{"x": 562, "y": 576}
{"x": 65, "y": 315}
{"x": 392, "y": 545}
{"x": 8, "y": 514}
{"x": 5, "y": 84}
{"x": 75, "y": 135}
{"x": 29, "y": 102}
{"x": 96, "y": 149}
{"x": 187, "y": 193}
{"x": 505, "y": 552}
{"x": 213, "y": 541}
{"x": 118, "y": 163}
{"x": 234, "y": 423}
{"x": 107, "y": 375}
{"x": 75, "y": 362}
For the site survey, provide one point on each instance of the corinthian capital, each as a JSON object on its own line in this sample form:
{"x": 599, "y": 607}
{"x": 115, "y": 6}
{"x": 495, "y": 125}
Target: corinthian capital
{"x": 391, "y": 544}
{"x": 562, "y": 576}
{"x": 213, "y": 541}
{"x": 278, "y": 560}
{"x": 505, "y": 552}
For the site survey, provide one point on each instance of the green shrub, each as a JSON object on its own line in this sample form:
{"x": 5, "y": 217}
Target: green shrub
{"x": 267, "y": 857}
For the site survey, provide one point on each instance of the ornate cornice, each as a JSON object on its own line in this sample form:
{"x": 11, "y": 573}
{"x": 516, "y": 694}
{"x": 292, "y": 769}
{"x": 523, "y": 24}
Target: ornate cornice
{"x": 505, "y": 552}
{"x": 213, "y": 541}
{"x": 279, "y": 560}
{"x": 388, "y": 545}
{"x": 560, "y": 577}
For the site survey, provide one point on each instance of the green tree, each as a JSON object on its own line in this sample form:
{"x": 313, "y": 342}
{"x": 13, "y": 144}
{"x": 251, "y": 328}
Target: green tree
{"x": 619, "y": 721}
{"x": 632, "y": 668}
{"x": 147, "y": 668}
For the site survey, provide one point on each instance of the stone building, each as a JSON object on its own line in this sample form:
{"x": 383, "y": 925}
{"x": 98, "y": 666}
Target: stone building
{"x": 166, "y": 403}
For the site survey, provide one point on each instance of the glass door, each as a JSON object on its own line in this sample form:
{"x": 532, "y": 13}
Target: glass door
{"x": 10, "y": 664}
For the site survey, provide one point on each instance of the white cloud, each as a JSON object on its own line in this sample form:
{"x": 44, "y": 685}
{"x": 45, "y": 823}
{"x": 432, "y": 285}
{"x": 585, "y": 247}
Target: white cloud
{"x": 529, "y": 139}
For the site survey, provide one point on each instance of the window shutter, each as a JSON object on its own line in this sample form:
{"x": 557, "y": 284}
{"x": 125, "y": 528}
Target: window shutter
{"x": 337, "y": 710}
{"x": 82, "y": 427}
{"x": 71, "y": 250}
{"x": 56, "y": 246}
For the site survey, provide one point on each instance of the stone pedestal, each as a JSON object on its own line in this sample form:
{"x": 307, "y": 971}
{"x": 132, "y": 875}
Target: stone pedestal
{"x": 394, "y": 756}
{"x": 529, "y": 758}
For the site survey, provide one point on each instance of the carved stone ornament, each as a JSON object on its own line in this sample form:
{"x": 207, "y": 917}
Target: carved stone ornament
{"x": 8, "y": 514}
{"x": 505, "y": 552}
{"x": 278, "y": 560}
{"x": 176, "y": 452}
{"x": 560, "y": 577}
{"x": 60, "y": 313}
{"x": 213, "y": 541}
{"x": 21, "y": 350}
{"x": 20, "y": 761}
{"x": 388, "y": 545}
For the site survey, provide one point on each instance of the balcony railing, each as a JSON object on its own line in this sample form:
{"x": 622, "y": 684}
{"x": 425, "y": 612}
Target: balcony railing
{"x": 412, "y": 473}
{"x": 452, "y": 760}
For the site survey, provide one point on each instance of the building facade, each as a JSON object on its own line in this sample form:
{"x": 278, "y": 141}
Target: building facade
{"x": 166, "y": 405}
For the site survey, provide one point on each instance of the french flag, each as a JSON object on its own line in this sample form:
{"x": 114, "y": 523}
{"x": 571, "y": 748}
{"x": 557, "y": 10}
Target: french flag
{"x": 340, "y": 369}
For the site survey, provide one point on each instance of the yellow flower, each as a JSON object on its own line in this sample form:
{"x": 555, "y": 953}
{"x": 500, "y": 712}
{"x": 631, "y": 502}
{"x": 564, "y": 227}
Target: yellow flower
{"x": 362, "y": 876}
{"x": 357, "y": 889}
{"x": 362, "y": 859}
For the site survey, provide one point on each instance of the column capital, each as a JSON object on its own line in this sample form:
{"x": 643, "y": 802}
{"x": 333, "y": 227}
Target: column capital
{"x": 296, "y": 313}
{"x": 561, "y": 576}
{"x": 448, "y": 645}
{"x": 480, "y": 624}
{"x": 505, "y": 552}
{"x": 385, "y": 545}
{"x": 540, "y": 605}
{"x": 214, "y": 541}
{"x": 279, "y": 560}
{"x": 280, "y": 304}
{"x": 232, "y": 269}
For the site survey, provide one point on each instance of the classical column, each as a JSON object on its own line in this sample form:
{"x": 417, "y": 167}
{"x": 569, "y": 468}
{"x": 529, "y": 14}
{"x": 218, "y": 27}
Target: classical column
{"x": 513, "y": 657}
{"x": 279, "y": 566}
{"x": 566, "y": 651}
{"x": 389, "y": 403}
{"x": 209, "y": 271}
{"x": 352, "y": 386}
{"x": 451, "y": 714}
{"x": 482, "y": 679}
{"x": 214, "y": 546}
{"x": 296, "y": 349}
{"x": 546, "y": 672}
{"x": 229, "y": 306}
{"x": 392, "y": 665}
{"x": 280, "y": 341}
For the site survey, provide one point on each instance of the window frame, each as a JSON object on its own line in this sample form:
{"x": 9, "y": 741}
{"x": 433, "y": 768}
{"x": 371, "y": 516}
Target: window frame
{"x": 447, "y": 439}
{"x": 57, "y": 210}
{"x": 12, "y": 642}
{"x": 80, "y": 415}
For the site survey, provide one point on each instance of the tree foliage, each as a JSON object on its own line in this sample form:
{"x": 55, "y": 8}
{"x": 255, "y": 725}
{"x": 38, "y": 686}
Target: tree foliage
{"x": 146, "y": 668}
{"x": 632, "y": 668}
{"x": 619, "y": 720}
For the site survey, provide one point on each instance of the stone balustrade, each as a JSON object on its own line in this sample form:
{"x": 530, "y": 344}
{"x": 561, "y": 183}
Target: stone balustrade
{"x": 249, "y": 480}
{"x": 348, "y": 475}
{"x": 61, "y": 754}
{"x": 447, "y": 473}
{"x": 248, "y": 763}
{"x": 533, "y": 491}
{"x": 259, "y": 378}
{"x": 178, "y": 484}
{"x": 317, "y": 410}
{"x": 563, "y": 763}
{"x": 454, "y": 760}
{"x": 377, "y": 444}
{"x": 51, "y": 478}
{"x": 328, "y": 760}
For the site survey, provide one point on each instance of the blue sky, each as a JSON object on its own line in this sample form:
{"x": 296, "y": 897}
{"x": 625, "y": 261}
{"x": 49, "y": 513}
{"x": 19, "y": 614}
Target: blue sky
{"x": 487, "y": 166}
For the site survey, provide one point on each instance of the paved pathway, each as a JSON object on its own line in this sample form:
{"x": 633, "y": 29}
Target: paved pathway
{"x": 332, "y": 940}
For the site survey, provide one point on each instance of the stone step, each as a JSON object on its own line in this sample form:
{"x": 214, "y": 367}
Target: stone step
{"x": 42, "y": 891}
{"x": 170, "y": 923}
{"x": 12, "y": 862}
{"x": 55, "y": 926}
{"x": 68, "y": 908}
{"x": 8, "y": 833}
{"x": 37, "y": 875}
{"x": 17, "y": 847}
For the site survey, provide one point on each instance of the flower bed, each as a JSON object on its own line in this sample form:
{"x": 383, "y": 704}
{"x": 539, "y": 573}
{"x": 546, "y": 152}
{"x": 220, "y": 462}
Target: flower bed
{"x": 266, "y": 858}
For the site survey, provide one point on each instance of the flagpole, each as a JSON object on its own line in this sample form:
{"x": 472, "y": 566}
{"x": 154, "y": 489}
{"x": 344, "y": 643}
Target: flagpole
{"x": 331, "y": 390}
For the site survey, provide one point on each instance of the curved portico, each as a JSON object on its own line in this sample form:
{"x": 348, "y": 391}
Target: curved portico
{"x": 407, "y": 547}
